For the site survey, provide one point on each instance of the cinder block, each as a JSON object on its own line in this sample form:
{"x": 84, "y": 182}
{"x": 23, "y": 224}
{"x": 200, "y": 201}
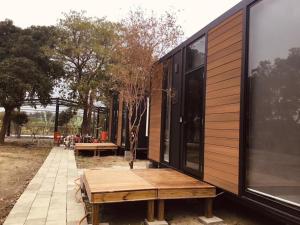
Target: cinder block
{"x": 211, "y": 221}
{"x": 156, "y": 222}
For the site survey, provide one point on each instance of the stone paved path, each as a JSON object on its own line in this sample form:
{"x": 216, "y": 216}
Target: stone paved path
{"x": 49, "y": 199}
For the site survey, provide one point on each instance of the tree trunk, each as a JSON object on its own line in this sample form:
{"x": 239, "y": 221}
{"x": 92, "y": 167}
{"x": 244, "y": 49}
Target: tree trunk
{"x": 5, "y": 124}
{"x": 85, "y": 123}
{"x": 131, "y": 165}
{"x": 86, "y": 119}
{"x": 85, "y": 126}
{"x": 89, "y": 119}
{"x": 19, "y": 129}
{"x": 133, "y": 140}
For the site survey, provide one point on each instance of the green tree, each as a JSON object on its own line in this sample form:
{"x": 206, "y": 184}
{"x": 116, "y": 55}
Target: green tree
{"x": 85, "y": 47}
{"x": 26, "y": 72}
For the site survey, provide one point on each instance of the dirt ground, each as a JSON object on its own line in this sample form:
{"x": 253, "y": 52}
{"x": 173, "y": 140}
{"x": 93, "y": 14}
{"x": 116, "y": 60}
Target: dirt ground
{"x": 19, "y": 162}
{"x": 178, "y": 212}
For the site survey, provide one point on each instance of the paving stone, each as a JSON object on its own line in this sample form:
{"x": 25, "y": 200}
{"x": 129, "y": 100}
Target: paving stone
{"x": 35, "y": 222}
{"x": 20, "y": 211}
{"x": 56, "y": 216}
{"x": 55, "y": 223}
{"x": 19, "y": 214}
{"x": 15, "y": 220}
{"x": 8, "y": 223}
{"x": 37, "y": 213}
{"x": 49, "y": 198}
{"x": 41, "y": 202}
{"x": 33, "y": 187}
{"x": 75, "y": 215}
{"x": 211, "y": 221}
{"x": 42, "y": 194}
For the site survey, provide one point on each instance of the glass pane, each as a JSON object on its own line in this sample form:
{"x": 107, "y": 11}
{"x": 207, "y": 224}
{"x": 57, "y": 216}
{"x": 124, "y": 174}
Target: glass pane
{"x": 273, "y": 166}
{"x": 195, "y": 54}
{"x": 192, "y": 120}
{"x": 167, "y": 112}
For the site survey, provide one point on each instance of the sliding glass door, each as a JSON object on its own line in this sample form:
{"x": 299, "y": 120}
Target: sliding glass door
{"x": 193, "y": 119}
{"x": 193, "y": 107}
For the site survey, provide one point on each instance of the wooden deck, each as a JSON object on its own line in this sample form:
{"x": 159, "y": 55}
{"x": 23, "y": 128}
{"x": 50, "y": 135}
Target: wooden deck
{"x": 108, "y": 186}
{"x": 95, "y": 147}
{"x": 171, "y": 184}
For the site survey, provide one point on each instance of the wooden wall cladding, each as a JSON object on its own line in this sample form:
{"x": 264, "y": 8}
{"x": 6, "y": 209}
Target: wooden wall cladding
{"x": 155, "y": 115}
{"x": 222, "y": 113}
{"x": 119, "y": 129}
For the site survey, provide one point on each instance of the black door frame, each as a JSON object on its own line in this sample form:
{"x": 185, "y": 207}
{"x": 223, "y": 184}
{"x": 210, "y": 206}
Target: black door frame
{"x": 174, "y": 67}
{"x": 176, "y": 112}
{"x": 200, "y": 173}
{"x": 177, "y": 151}
{"x": 188, "y": 170}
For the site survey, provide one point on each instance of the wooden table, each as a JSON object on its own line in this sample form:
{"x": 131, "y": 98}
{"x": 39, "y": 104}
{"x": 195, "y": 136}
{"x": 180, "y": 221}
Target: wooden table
{"x": 96, "y": 147}
{"x": 108, "y": 185}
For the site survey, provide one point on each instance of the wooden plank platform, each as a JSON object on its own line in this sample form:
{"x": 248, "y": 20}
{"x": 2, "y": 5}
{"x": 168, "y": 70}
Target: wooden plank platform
{"x": 107, "y": 186}
{"x": 95, "y": 147}
{"x": 110, "y": 185}
{"x": 172, "y": 184}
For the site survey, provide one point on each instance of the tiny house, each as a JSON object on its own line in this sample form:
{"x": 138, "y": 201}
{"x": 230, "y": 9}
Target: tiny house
{"x": 226, "y": 108}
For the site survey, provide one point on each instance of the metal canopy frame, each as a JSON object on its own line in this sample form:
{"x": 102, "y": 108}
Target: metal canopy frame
{"x": 57, "y": 102}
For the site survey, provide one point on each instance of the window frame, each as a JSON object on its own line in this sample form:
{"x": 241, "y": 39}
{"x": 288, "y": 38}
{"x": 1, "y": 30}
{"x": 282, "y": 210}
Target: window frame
{"x": 281, "y": 208}
{"x": 186, "y": 70}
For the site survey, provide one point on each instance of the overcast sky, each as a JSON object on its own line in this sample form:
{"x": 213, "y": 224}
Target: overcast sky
{"x": 194, "y": 14}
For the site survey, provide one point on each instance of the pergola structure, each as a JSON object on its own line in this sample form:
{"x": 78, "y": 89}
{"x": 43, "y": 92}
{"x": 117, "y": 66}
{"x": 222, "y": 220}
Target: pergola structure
{"x": 69, "y": 103}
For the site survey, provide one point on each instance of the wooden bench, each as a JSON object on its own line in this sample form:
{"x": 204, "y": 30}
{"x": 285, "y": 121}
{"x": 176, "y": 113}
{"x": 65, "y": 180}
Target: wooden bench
{"x": 148, "y": 185}
{"x": 95, "y": 147}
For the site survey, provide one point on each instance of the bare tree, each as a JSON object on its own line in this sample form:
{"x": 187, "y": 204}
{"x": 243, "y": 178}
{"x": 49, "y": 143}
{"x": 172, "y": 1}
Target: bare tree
{"x": 144, "y": 38}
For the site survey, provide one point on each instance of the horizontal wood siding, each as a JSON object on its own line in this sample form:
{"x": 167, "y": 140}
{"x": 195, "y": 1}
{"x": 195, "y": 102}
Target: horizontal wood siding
{"x": 222, "y": 113}
{"x": 155, "y": 116}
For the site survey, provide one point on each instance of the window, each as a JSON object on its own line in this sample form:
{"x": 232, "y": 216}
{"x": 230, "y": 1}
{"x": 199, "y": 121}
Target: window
{"x": 195, "y": 54}
{"x": 273, "y": 155}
